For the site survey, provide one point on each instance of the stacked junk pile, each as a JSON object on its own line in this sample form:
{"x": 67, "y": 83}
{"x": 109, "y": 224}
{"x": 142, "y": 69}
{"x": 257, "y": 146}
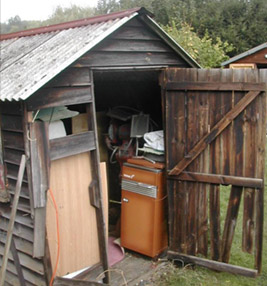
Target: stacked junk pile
{"x": 137, "y": 212}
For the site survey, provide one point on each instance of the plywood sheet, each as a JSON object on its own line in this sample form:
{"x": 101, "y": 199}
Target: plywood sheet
{"x": 70, "y": 178}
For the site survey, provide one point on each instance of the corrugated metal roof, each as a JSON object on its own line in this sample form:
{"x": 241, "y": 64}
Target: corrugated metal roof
{"x": 30, "y": 62}
{"x": 245, "y": 54}
{"x": 29, "y": 59}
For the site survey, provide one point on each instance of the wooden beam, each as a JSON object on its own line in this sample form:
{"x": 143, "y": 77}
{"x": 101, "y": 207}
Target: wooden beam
{"x": 12, "y": 219}
{"x": 215, "y": 131}
{"x": 219, "y": 179}
{"x": 95, "y": 165}
{"x": 216, "y": 86}
{"x": 59, "y": 281}
{"x": 72, "y": 145}
{"x": 52, "y": 97}
{"x": 214, "y": 265}
{"x": 39, "y": 154}
{"x": 17, "y": 262}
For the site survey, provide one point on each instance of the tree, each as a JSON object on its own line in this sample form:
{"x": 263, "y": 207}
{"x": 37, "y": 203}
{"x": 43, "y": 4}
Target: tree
{"x": 71, "y": 13}
{"x": 203, "y": 50}
{"x": 107, "y": 6}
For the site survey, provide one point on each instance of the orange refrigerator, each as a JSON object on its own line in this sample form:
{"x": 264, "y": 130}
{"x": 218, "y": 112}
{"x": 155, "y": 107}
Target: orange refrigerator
{"x": 143, "y": 213}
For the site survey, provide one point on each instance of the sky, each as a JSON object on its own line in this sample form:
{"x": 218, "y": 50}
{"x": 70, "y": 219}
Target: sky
{"x": 37, "y": 9}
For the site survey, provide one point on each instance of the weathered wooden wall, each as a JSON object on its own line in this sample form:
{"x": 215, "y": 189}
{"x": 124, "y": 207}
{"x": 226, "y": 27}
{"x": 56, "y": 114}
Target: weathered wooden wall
{"x": 13, "y": 144}
{"x": 197, "y": 100}
{"x": 132, "y": 45}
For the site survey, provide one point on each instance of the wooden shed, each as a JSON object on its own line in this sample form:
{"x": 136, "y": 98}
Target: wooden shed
{"x": 253, "y": 58}
{"x": 92, "y": 66}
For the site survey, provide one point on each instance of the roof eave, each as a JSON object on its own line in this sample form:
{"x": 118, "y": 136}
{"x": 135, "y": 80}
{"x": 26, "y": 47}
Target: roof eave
{"x": 88, "y": 47}
{"x": 75, "y": 23}
{"x": 245, "y": 54}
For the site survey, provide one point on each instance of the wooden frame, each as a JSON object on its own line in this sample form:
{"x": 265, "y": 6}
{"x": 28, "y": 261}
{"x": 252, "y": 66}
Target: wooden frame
{"x": 210, "y": 140}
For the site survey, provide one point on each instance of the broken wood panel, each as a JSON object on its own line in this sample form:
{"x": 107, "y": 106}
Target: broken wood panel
{"x": 219, "y": 179}
{"x": 39, "y": 155}
{"x": 12, "y": 123}
{"x": 72, "y": 145}
{"x": 71, "y": 77}
{"x": 70, "y": 178}
{"x": 216, "y": 86}
{"x": 59, "y": 96}
{"x": 122, "y": 59}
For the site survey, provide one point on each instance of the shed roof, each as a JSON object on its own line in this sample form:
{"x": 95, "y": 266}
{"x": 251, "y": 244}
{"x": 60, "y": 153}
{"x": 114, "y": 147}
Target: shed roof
{"x": 245, "y": 54}
{"x": 29, "y": 59}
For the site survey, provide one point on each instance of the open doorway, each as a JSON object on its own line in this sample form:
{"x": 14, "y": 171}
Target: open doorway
{"x": 122, "y": 98}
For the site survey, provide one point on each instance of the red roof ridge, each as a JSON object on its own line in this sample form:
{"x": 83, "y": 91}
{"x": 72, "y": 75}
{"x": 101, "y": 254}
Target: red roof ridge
{"x": 74, "y": 24}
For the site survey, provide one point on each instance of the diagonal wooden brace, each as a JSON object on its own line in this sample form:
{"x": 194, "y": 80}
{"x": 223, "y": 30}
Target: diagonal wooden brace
{"x": 215, "y": 131}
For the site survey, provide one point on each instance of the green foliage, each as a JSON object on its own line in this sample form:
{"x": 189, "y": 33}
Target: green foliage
{"x": 203, "y": 50}
{"x": 107, "y": 6}
{"x": 71, "y": 13}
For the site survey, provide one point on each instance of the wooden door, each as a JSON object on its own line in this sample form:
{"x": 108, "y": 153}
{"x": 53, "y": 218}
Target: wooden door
{"x": 215, "y": 132}
{"x": 75, "y": 225}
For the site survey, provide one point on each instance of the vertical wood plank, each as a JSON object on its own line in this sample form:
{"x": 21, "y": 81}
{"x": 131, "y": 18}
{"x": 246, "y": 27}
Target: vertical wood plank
{"x": 95, "y": 166}
{"x": 192, "y": 136}
{"x": 27, "y": 117}
{"x": 39, "y": 149}
{"x": 17, "y": 262}
{"x": 214, "y": 158}
{"x": 202, "y": 213}
{"x": 250, "y": 139}
{"x": 261, "y": 116}
{"x": 236, "y": 192}
{"x": 175, "y": 149}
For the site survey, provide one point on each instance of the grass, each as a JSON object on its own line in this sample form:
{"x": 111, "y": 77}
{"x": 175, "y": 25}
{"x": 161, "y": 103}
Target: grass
{"x": 198, "y": 276}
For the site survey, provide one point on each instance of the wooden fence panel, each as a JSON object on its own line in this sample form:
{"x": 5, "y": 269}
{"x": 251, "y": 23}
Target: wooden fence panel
{"x": 214, "y": 125}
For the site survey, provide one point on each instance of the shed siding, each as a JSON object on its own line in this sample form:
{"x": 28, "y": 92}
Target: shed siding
{"x": 13, "y": 145}
{"x": 134, "y": 44}
{"x": 257, "y": 58}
